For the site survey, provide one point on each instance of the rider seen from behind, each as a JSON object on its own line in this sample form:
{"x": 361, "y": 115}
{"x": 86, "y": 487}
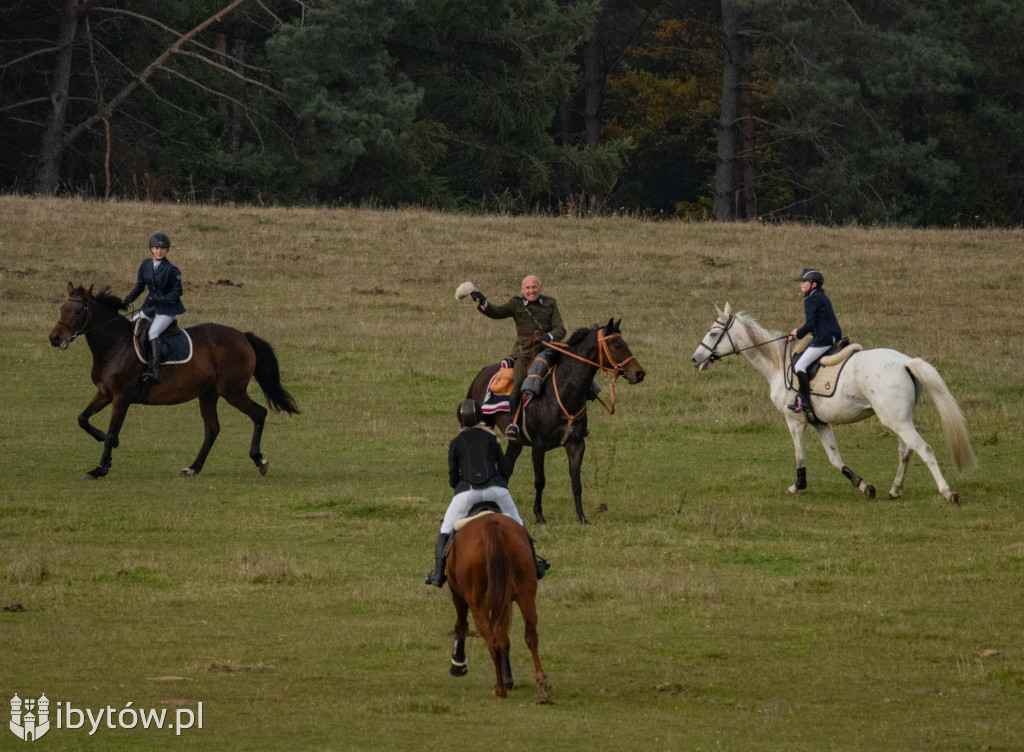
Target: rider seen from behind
{"x": 537, "y": 321}
{"x": 822, "y": 323}
{"x": 478, "y": 471}
{"x": 163, "y": 303}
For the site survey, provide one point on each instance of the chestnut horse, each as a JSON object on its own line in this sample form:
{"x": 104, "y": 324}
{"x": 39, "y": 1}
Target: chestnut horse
{"x": 490, "y": 566}
{"x": 223, "y": 361}
{"x": 558, "y": 416}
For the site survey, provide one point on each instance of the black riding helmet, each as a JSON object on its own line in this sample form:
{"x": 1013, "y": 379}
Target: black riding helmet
{"x": 469, "y": 413}
{"x": 159, "y": 240}
{"x": 812, "y": 275}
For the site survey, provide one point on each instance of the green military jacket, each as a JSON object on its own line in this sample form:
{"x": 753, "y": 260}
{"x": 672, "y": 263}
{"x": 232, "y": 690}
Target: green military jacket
{"x": 532, "y": 321}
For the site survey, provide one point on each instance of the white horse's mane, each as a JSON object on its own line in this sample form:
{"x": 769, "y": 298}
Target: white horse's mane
{"x": 760, "y": 335}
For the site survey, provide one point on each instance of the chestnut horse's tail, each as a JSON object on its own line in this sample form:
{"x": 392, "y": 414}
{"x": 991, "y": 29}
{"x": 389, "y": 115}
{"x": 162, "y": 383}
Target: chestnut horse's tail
{"x": 268, "y": 376}
{"x": 499, "y": 581}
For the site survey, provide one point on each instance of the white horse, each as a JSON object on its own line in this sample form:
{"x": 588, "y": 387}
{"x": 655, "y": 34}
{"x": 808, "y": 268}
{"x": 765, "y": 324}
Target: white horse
{"x": 884, "y": 382}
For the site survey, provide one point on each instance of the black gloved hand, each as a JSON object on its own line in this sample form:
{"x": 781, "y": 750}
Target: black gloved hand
{"x": 549, "y": 337}
{"x": 478, "y": 297}
{"x": 124, "y": 307}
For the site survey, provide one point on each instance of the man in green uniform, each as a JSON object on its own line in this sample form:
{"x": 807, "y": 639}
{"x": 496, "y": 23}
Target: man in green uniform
{"x": 537, "y": 321}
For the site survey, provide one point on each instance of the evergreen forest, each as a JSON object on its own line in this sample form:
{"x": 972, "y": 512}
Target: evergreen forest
{"x": 901, "y": 112}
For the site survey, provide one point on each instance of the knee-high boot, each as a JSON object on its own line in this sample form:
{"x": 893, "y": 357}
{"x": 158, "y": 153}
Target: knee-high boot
{"x": 542, "y": 565}
{"x": 155, "y": 350}
{"x": 437, "y": 578}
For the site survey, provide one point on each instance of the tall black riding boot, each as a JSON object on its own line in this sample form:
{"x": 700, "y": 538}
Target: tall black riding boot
{"x": 512, "y": 431}
{"x": 803, "y": 399}
{"x": 155, "y": 350}
{"x": 542, "y": 565}
{"x": 437, "y": 578}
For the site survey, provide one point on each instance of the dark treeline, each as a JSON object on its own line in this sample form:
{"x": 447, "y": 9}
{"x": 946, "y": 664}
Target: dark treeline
{"x": 892, "y": 111}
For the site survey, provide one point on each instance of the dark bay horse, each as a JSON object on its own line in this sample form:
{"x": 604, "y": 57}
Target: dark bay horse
{"x": 490, "y": 567}
{"x": 223, "y": 361}
{"x": 558, "y": 416}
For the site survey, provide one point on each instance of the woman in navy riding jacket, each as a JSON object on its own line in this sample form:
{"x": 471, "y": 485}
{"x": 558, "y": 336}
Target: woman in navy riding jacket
{"x": 163, "y": 279}
{"x": 822, "y": 323}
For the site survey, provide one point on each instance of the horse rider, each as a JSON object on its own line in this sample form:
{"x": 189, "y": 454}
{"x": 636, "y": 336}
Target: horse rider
{"x": 478, "y": 471}
{"x": 163, "y": 303}
{"x": 822, "y": 323}
{"x": 537, "y": 321}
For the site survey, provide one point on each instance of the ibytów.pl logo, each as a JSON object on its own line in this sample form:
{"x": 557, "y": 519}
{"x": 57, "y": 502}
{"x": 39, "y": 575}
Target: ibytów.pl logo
{"x": 30, "y": 719}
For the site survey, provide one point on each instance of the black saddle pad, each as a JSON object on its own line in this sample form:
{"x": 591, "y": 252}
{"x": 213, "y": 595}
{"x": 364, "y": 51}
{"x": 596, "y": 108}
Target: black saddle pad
{"x": 483, "y": 506}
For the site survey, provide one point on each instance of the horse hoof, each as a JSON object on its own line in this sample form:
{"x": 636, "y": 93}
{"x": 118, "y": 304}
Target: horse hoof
{"x": 544, "y": 692}
{"x": 500, "y": 693}
{"x": 584, "y": 521}
{"x": 90, "y": 476}
{"x": 187, "y": 472}
{"x": 954, "y": 499}
{"x": 895, "y": 495}
{"x": 458, "y": 670}
{"x": 264, "y": 466}
{"x": 869, "y": 491}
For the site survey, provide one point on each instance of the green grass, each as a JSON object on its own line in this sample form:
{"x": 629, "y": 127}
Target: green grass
{"x": 705, "y": 608}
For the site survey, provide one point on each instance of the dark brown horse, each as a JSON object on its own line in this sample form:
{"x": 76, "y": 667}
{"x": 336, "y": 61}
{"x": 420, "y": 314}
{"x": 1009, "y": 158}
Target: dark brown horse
{"x": 223, "y": 361}
{"x": 490, "y": 567}
{"x": 558, "y": 416}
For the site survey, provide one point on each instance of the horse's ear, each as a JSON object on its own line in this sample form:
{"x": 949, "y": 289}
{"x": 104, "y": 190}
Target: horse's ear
{"x": 71, "y": 289}
{"x": 728, "y": 310}
{"x": 88, "y": 293}
{"x": 718, "y": 311}
{"x": 609, "y": 328}
{"x": 618, "y": 325}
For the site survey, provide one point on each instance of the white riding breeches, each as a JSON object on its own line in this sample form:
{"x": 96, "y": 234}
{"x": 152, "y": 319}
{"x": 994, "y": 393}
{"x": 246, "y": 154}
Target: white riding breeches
{"x": 461, "y": 503}
{"x": 809, "y": 356}
{"x": 160, "y": 322}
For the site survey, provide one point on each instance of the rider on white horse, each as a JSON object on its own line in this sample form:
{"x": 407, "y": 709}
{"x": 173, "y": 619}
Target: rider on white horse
{"x": 822, "y": 323}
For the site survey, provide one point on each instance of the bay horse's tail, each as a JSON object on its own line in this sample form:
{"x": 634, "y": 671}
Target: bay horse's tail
{"x": 953, "y": 424}
{"x": 499, "y": 582}
{"x": 268, "y": 376}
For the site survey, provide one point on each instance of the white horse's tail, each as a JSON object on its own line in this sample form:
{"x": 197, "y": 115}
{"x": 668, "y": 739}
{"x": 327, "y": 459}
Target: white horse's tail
{"x": 953, "y": 424}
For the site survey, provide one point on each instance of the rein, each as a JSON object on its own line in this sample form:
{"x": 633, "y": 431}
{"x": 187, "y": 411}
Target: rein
{"x": 605, "y": 363}
{"x": 713, "y": 349}
{"x": 88, "y": 321}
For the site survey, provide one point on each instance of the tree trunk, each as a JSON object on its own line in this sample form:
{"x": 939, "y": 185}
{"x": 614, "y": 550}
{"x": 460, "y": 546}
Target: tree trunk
{"x": 51, "y": 151}
{"x": 728, "y": 171}
{"x": 593, "y": 82}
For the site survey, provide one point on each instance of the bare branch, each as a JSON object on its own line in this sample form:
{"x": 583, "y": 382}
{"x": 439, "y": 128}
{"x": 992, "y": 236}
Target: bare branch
{"x": 37, "y": 100}
{"x": 17, "y": 60}
{"x": 226, "y": 69}
{"x": 178, "y": 34}
{"x": 148, "y": 71}
{"x": 207, "y": 89}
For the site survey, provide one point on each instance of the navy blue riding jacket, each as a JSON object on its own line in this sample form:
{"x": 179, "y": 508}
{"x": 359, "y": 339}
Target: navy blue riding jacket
{"x": 476, "y": 461}
{"x": 821, "y": 320}
{"x": 164, "y": 283}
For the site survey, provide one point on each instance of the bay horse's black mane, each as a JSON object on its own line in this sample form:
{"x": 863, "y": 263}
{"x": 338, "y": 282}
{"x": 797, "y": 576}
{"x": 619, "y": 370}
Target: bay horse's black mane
{"x": 104, "y": 297}
{"x": 581, "y": 334}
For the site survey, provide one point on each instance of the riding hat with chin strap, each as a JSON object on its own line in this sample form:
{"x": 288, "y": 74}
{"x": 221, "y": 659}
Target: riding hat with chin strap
{"x": 159, "y": 240}
{"x": 812, "y": 275}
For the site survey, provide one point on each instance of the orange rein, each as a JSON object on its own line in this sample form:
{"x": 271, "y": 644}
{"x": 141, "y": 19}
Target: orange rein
{"x": 605, "y": 358}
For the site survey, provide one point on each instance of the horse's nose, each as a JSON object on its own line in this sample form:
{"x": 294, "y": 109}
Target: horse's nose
{"x": 54, "y": 340}
{"x": 640, "y": 376}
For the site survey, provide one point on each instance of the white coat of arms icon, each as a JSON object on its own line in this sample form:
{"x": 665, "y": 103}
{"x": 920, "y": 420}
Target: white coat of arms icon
{"x": 30, "y": 719}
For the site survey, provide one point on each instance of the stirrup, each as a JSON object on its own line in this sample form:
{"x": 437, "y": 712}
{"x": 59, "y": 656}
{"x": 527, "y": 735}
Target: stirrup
{"x": 512, "y": 432}
{"x": 797, "y": 406}
{"x": 435, "y": 579}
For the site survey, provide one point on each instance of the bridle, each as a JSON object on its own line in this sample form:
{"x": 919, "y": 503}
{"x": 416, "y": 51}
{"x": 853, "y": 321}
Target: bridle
{"x": 726, "y": 326}
{"x": 85, "y": 324}
{"x": 606, "y": 362}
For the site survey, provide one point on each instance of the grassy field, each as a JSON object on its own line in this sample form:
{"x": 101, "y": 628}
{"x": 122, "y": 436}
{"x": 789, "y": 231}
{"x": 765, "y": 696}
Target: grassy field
{"x": 704, "y": 609}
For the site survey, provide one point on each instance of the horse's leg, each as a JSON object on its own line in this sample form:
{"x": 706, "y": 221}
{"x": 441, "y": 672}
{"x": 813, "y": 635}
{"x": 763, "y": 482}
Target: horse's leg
{"x": 97, "y": 403}
{"x": 211, "y": 427}
{"x": 119, "y": 409}
{"x": 528, "y": 608}
{"x": 239, "y": 399}
{"x": 512, "y": 452}
{"x": 574, "y": 450}
{"x": 459, "y": 665}
{"x": 486, "y": 630}
{"x": 796, "y": 431}
{"x": 901, "y": 472}
{"x": 506, "y": 668}
{"x": 538, "y": 484}
{"x": 828, "y": 440}
{"x": 909, "y": 435}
